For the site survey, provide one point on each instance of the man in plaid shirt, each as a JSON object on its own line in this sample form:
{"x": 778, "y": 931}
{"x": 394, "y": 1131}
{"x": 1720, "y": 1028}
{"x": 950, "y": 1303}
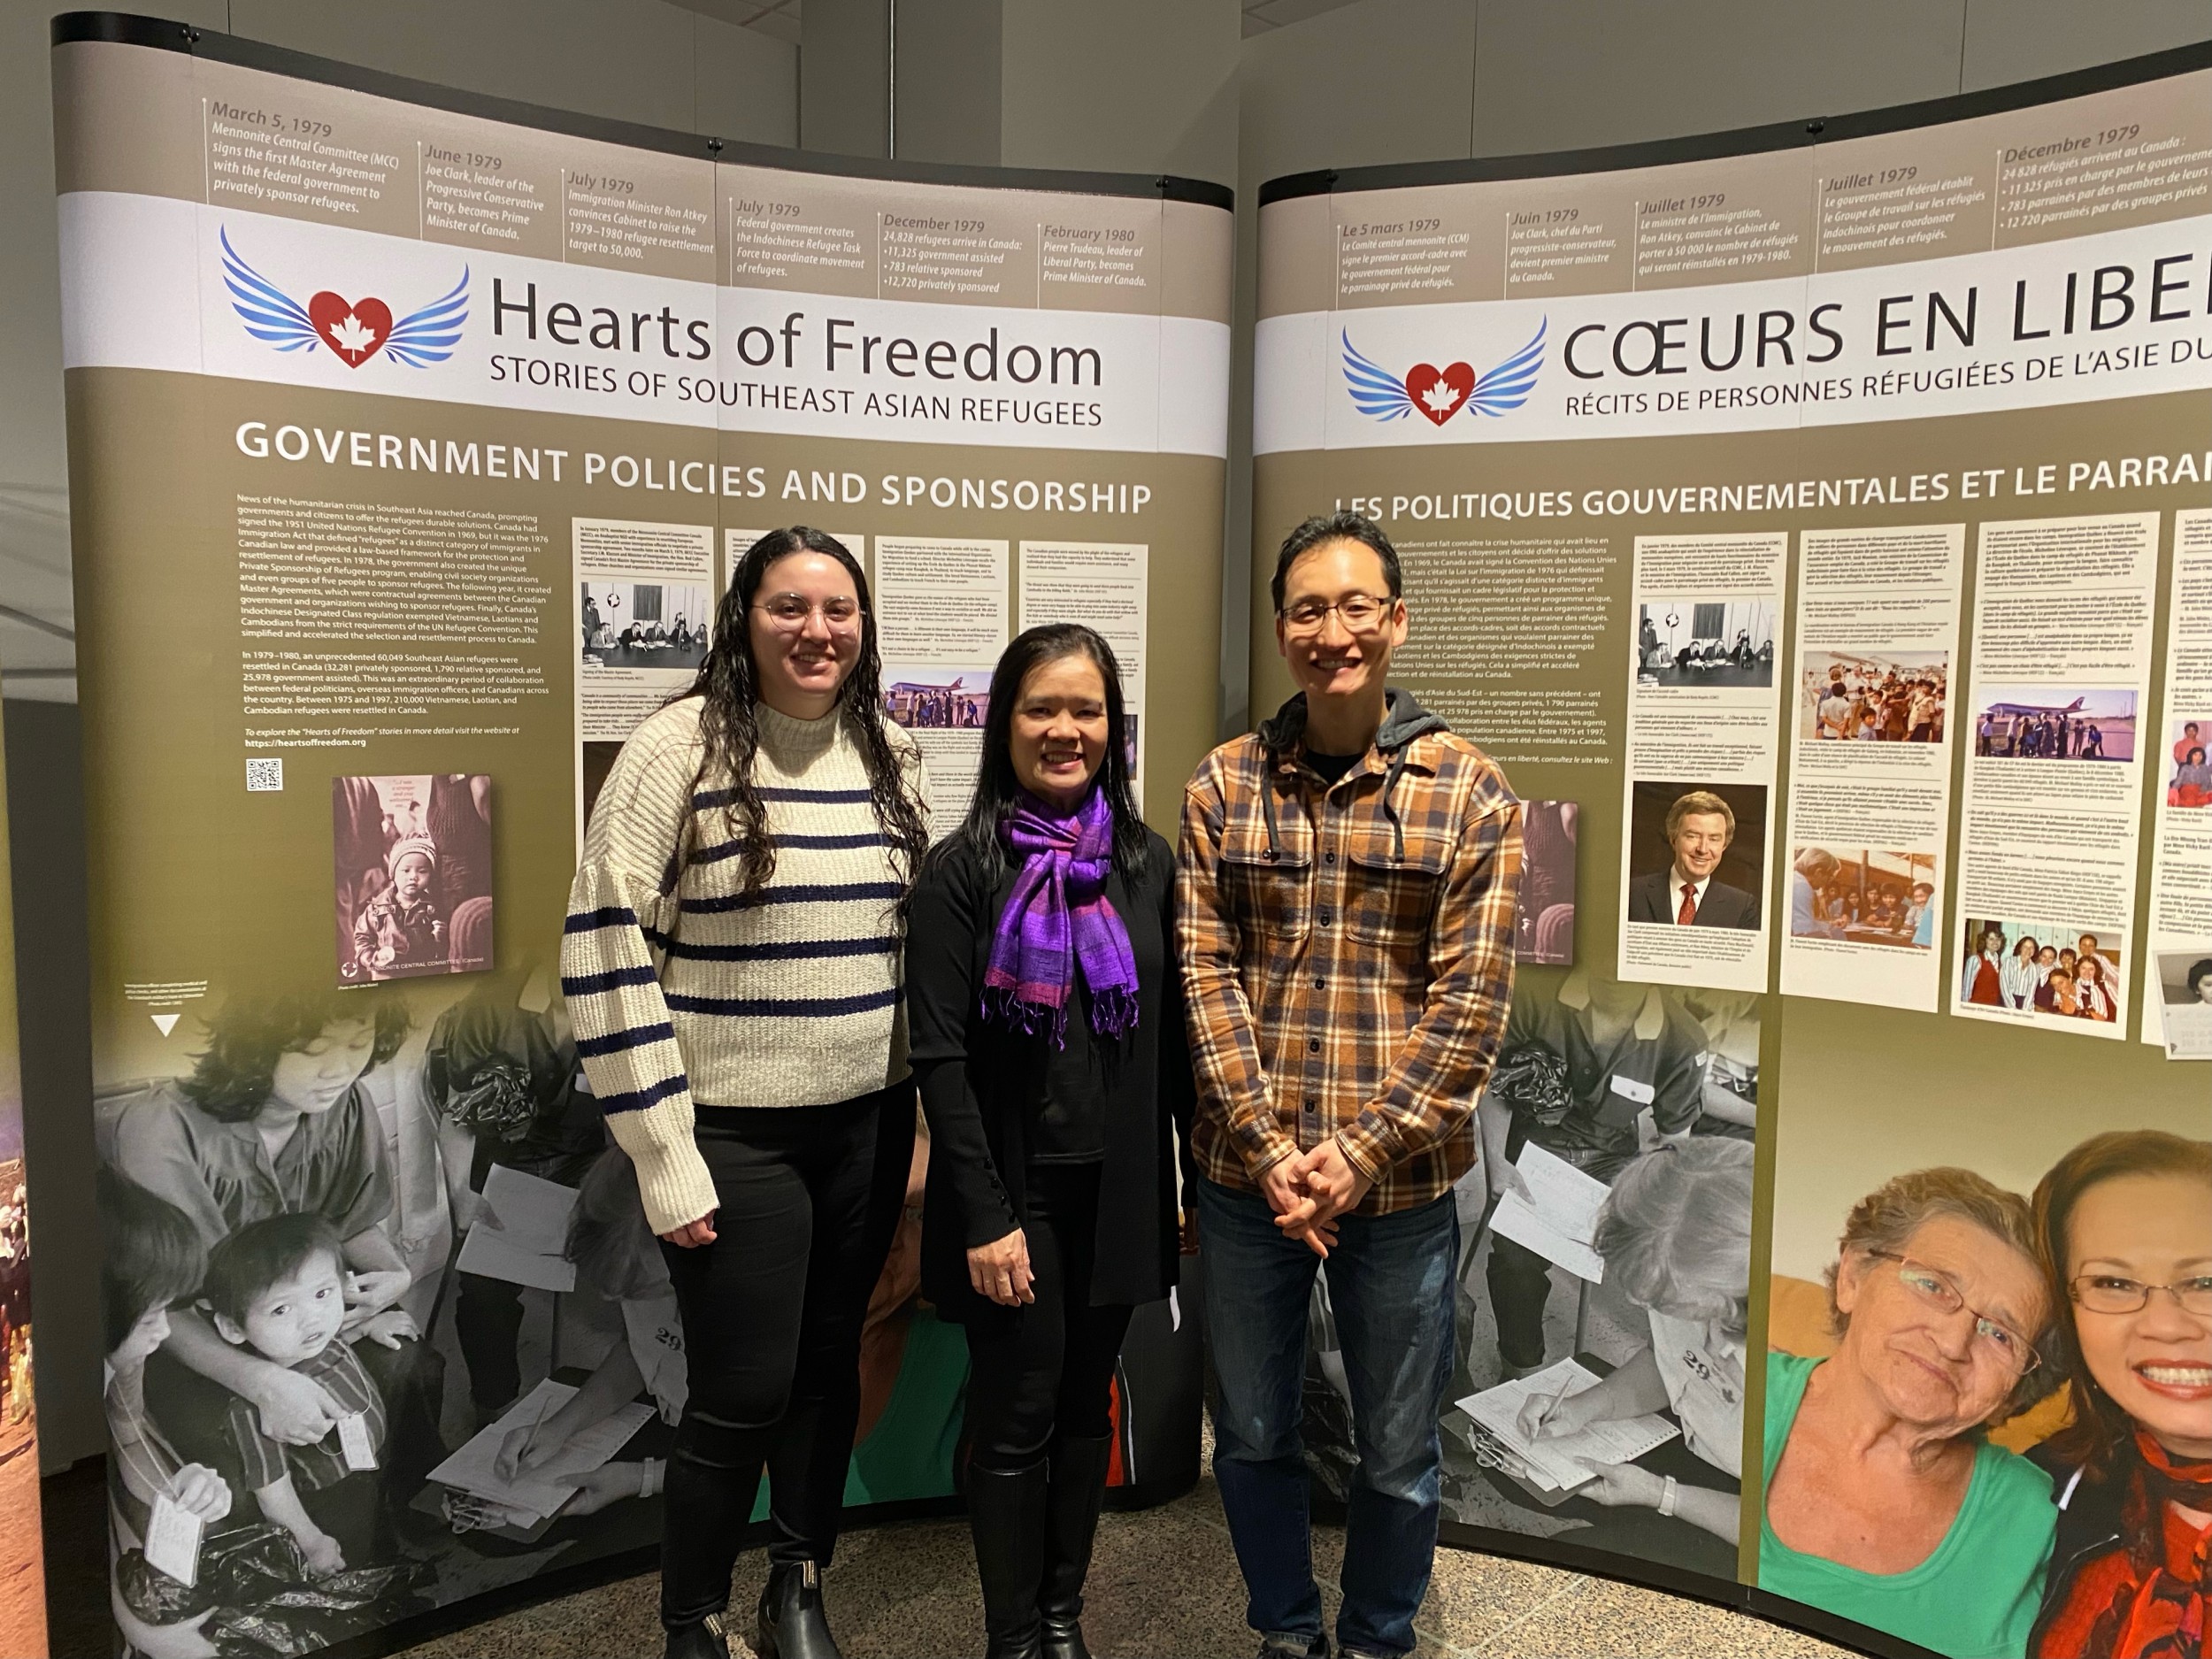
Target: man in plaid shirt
{"x": 1345, "y": 891}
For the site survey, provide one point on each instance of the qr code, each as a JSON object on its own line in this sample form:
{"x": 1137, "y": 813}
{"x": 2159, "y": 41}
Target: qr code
{"x": 264, "y": 775}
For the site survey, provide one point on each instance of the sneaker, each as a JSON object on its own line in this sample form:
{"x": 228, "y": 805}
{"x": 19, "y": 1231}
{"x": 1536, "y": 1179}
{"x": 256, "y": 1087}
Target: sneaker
{"x": 1292, "y": 1646}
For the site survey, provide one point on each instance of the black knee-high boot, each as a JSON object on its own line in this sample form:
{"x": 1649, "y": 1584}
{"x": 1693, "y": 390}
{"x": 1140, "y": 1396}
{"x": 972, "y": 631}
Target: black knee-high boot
{"x": 1007, "y": 1514}
{"x": 1072, "y": 1497}
{"x": 713, "y": 1477}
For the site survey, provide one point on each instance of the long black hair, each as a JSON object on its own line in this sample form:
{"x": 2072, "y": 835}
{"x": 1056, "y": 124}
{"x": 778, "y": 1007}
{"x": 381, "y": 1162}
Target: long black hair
{"x": 729, "y": 731}
{"x": 233, "y": 1076}
{"x": 998, "y": 791}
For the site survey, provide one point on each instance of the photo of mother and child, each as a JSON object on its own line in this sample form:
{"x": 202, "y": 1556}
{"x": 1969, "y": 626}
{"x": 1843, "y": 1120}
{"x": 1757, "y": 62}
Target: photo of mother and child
{"x": 2005, "y": 1448}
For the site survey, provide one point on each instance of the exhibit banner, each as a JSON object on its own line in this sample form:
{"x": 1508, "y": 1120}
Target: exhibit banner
{"x": 1813, "y": 522}
{"x": 412, "y": 438}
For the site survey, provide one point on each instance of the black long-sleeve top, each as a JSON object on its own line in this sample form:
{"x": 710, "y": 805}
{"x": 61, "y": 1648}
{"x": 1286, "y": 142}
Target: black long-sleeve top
{"x": 999, "y": 1099}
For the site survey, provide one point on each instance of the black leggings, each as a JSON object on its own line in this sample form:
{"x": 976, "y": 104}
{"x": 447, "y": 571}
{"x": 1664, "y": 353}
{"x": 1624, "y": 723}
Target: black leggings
{"x": 1047, "y": 1369}
{"x": 808, "y": 1198}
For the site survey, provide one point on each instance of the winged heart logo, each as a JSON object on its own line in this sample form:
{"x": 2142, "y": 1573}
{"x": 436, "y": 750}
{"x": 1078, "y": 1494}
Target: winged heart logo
{"x": 1440, "y": 394}
{"x": 355, "y": 330}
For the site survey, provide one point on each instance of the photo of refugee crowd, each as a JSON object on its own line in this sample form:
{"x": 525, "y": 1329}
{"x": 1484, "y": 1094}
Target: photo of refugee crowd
{"x": 1888, "y": 699}
{"x": 385, "y": 1326}
{"x": 413, "y": 875}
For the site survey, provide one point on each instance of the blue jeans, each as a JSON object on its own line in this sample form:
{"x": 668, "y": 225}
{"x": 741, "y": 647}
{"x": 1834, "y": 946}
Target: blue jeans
{"x": 1390, "y": 1284}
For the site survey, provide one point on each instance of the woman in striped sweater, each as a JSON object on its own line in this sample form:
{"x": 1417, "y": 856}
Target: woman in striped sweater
{"x": 731, "y": 963}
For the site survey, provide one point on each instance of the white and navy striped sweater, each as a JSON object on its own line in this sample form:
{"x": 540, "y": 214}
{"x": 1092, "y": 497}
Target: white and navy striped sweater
{"x": 682, "y": 991}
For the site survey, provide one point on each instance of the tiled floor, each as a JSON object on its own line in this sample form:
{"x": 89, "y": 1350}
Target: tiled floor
{"x": 1165, "y": 1585}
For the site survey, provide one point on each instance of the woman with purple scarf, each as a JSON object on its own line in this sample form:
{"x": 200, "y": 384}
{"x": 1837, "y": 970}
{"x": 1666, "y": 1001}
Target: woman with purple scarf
{"x": 1047, "y": 1022}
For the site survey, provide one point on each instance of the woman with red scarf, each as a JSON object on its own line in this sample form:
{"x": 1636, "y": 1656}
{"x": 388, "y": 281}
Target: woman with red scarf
{"x": 2126, "y": 1225}
{"x": 1048, "y": 1037}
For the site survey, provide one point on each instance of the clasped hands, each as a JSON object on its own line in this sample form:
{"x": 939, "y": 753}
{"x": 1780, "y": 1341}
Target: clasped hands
{"x": 1308, "y": 1191}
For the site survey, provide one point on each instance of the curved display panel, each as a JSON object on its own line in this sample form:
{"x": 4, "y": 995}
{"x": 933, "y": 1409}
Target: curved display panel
{"x": 1816, "y": 523}
{"x": 413, "y": 440}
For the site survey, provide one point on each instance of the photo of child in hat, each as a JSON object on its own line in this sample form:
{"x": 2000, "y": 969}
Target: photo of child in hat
{"x": 412, "y": 875}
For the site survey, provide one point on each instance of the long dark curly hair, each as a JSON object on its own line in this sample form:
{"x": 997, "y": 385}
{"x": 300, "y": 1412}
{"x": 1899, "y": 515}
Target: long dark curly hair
{"x": 729, "y": 730}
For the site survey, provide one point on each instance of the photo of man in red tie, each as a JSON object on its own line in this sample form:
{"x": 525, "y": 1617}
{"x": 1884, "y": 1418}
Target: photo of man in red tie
{"x": 1700, "y": 825}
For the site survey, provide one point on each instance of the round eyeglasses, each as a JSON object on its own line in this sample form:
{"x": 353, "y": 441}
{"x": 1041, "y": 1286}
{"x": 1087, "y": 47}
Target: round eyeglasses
{"x": 788, "y": 613}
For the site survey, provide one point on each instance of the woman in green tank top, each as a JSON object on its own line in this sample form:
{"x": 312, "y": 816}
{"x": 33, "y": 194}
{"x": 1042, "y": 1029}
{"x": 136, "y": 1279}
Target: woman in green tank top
{"x": 1884, "y": 1502}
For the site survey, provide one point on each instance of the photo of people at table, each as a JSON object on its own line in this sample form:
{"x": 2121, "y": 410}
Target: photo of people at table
{"x": 2055, "y": 723}
{"x": 386, "y": 1326}
{"x": 1604, "y": 1277}
{"x": 1863, "y": 896}
{"x": 1988, "y": 1422}
{"x": 1890, "y": 698}
{"x": 636, "y": 622}
{"x": 2050, "y": 970}
{"x": 2188, "y": 778}
{"x": 1706, "y": 640}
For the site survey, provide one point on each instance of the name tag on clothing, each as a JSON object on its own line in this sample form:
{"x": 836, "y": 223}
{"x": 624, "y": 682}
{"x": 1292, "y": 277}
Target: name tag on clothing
{"x": 1642, "y": 1094}
{"x": 173, "y": 1541}
{"x": 353, "y": 1439}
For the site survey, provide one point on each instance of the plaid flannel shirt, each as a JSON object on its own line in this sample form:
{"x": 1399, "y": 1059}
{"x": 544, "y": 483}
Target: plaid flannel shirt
{"x": 1347, "y": 952}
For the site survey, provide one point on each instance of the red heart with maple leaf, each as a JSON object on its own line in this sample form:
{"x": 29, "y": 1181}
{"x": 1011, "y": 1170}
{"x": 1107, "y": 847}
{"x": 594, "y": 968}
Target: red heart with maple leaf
{"x": 355, "y": 330}
{"x": 1438, "y": 393}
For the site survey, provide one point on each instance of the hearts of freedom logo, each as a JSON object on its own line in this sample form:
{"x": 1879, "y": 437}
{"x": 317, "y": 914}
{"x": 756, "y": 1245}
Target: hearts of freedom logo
{"x": 1438, "y": 394}
{"x": 355, "y": 330}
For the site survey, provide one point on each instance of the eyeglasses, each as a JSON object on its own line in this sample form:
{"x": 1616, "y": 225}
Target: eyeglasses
{"x": 2109, "y": 1293}
{"x": 788, "y": 613}
{"x": 1361, "y": 613}
{"x": 2004, "y": 1347}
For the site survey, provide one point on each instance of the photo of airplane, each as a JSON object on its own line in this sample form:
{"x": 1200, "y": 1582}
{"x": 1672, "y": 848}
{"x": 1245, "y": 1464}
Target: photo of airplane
{"x": 2055, "y": 723}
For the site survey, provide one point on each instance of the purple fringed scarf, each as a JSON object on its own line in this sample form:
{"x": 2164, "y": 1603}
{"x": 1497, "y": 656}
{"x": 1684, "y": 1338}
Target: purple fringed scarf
{"x": 1058, "y": 920}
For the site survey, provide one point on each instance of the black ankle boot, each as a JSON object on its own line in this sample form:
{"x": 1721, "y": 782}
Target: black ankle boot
{"x": 703, "y": 1638}
{"x": 1007, "y": 1514}
{"x": 793, "y": 1623}
{"x": 1073, "y": 1496}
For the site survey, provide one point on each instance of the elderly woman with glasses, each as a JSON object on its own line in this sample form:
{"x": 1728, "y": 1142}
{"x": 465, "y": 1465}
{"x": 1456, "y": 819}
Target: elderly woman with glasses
{"x": 1885, "y": 1502}
{"x": 2125, "y": 1223}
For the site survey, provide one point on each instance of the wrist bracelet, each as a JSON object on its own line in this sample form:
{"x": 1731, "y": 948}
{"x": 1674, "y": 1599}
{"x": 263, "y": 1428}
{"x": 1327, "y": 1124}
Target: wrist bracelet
{"x": 649, "y": 1482}
{"x": 1668, "y": 1496}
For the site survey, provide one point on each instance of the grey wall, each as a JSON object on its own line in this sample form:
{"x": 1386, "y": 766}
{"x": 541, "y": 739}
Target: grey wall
{"x": 844, "y": 72}
{"x": 1137, "y": 86}
{"x": 949, "y": 61}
